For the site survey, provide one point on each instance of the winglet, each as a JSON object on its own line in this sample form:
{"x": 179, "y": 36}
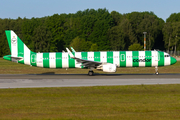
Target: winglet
{"x": 69, "y": 52}
{"x": 72, "y": 49}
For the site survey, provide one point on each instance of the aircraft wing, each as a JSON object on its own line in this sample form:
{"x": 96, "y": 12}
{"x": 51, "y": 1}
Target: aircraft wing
{"x": 85, "y": 63}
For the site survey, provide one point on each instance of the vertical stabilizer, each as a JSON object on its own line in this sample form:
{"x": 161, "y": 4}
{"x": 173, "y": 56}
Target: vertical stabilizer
{"x": 17, "y": 47}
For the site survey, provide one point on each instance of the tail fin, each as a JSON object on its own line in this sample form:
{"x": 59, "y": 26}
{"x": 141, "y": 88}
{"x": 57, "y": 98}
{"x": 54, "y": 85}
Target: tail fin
{"x": 17, "y": 47}
{"x": 19, "y": 51}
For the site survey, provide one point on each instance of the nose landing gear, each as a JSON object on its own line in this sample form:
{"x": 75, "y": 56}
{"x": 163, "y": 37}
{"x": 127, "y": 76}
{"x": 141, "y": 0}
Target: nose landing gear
{"x": 156, "y": 70}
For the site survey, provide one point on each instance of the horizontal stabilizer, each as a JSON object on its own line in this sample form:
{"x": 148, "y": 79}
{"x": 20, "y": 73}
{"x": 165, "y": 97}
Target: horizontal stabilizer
{"x": 12, "y": 58}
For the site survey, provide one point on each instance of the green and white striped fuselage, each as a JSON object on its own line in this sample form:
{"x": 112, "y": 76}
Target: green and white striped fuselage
{"x": 119, "y": 58}
{"x": 105, "y": 60}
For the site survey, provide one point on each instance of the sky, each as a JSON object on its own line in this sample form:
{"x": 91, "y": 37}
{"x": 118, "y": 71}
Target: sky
{"x": 41, "y": 8}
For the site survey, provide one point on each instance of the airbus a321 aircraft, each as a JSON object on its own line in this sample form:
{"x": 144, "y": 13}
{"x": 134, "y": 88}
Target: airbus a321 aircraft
{"x": 106, "y": 61}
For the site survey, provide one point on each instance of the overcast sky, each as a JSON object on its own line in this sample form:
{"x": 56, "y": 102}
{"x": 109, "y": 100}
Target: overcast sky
{"x": 40, "y": 8}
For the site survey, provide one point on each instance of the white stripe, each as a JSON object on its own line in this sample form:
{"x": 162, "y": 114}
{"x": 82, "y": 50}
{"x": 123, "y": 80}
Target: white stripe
{"x": 39, "y": 59}
{"x": 167, "y": 60}
{"x": 90, "y": 56}
{"x": 154, "y": 58}
{"x": 78, "y": 55}
{"x": 65, "y": 61}
{"x": 26, "y": 55}
{"x": 103, "y": 56}
{"x": 52, "y": 60}
{"x": 141, "y": 56}
{"x": 14, "y": 42}
{"x": 128, "y": 58}
{"x": 116, "y": 58}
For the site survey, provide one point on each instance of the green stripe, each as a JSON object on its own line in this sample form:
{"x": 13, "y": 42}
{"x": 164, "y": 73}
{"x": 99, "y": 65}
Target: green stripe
{"x": 135, "y": 55}
{"x": 97, "y": 56}
{"x": 110, "y": 57}
{"x": 33, "y": 58}
{"x": 58, "y": 60}
{"x": 148, "y": 59}
{"x": 46, "y": 60}
{"x": 8, "y": 35}
{"x": 20, "y": 46}
{"x": 84, "y": 56}
{"x": 122, "y": 58}
{"x": 161, "y": 57}
{"x": 71, "y": 61}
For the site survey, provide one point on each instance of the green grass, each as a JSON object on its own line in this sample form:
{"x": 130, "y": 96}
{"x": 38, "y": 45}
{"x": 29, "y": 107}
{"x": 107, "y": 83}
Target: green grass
{"x": 8, "y": 67}
{"x": 150, "y": 102}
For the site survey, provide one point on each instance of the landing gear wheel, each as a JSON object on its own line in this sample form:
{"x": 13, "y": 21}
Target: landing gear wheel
{"x": 90, "y": 73}
{"x": 157, "y": 73}
{"x": 156, "y": 70}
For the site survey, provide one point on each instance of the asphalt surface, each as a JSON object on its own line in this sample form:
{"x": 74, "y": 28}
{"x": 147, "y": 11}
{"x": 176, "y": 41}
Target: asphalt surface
{"x": 76, "y": 80}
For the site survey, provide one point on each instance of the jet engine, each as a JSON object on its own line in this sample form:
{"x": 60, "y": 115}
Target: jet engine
{"x": 109, "y": 68}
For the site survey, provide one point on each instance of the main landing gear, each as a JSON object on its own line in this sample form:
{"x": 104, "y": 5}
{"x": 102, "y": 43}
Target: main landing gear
{"x": 156, "y": 70}
{"x": 90, "y": 73}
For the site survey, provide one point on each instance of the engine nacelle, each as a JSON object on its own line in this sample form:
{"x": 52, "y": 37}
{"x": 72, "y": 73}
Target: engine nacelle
{"x": 109, "y": 68}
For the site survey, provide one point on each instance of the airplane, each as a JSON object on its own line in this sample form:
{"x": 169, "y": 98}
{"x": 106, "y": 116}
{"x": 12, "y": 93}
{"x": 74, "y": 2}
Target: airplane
{"x": 107, "y": 61}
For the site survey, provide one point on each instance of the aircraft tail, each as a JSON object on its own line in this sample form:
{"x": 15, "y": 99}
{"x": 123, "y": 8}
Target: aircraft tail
{"x": 17, "y": 47}
{"x": 19, "y": 51}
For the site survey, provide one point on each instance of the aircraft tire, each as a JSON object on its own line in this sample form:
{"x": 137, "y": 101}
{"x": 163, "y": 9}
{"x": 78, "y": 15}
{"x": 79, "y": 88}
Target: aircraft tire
{"x": 90, "y": 73}
{"x": 157, "y": 73}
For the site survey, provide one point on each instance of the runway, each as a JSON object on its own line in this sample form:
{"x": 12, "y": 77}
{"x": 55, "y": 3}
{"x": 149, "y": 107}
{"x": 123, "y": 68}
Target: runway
{"x": 77, "y": 80}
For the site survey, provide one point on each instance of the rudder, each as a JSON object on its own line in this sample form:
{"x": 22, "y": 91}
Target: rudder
{"x": 17, "y": 47}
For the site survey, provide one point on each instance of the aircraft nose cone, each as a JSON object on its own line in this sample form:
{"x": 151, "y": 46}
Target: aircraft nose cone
{"x": 173, "y": 60}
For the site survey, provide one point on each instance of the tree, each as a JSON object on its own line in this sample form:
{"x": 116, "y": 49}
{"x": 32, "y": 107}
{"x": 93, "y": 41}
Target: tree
{"x": 175, "y": 35}
{"x": 135, "y": 47}
{"x": 94, "y": 47}
{"x": 121, "y": 36}
{"x": 79, "y": 44}
{"x": 167, "y": 33}
{"x": 117, "y": 38}
{"x": 42, "y": 39}
{"x": 149, "y": 22}
{"x": 117, "y": 17}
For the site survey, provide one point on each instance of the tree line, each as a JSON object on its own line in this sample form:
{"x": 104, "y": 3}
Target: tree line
{"x": 94, "y": 30}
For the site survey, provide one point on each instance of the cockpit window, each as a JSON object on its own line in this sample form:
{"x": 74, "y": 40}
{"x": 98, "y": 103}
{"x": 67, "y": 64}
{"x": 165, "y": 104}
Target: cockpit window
{"x": 166, "y": 55}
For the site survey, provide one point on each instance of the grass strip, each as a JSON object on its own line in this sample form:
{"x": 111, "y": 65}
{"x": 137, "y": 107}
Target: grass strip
{"x": 150, "y": 102}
